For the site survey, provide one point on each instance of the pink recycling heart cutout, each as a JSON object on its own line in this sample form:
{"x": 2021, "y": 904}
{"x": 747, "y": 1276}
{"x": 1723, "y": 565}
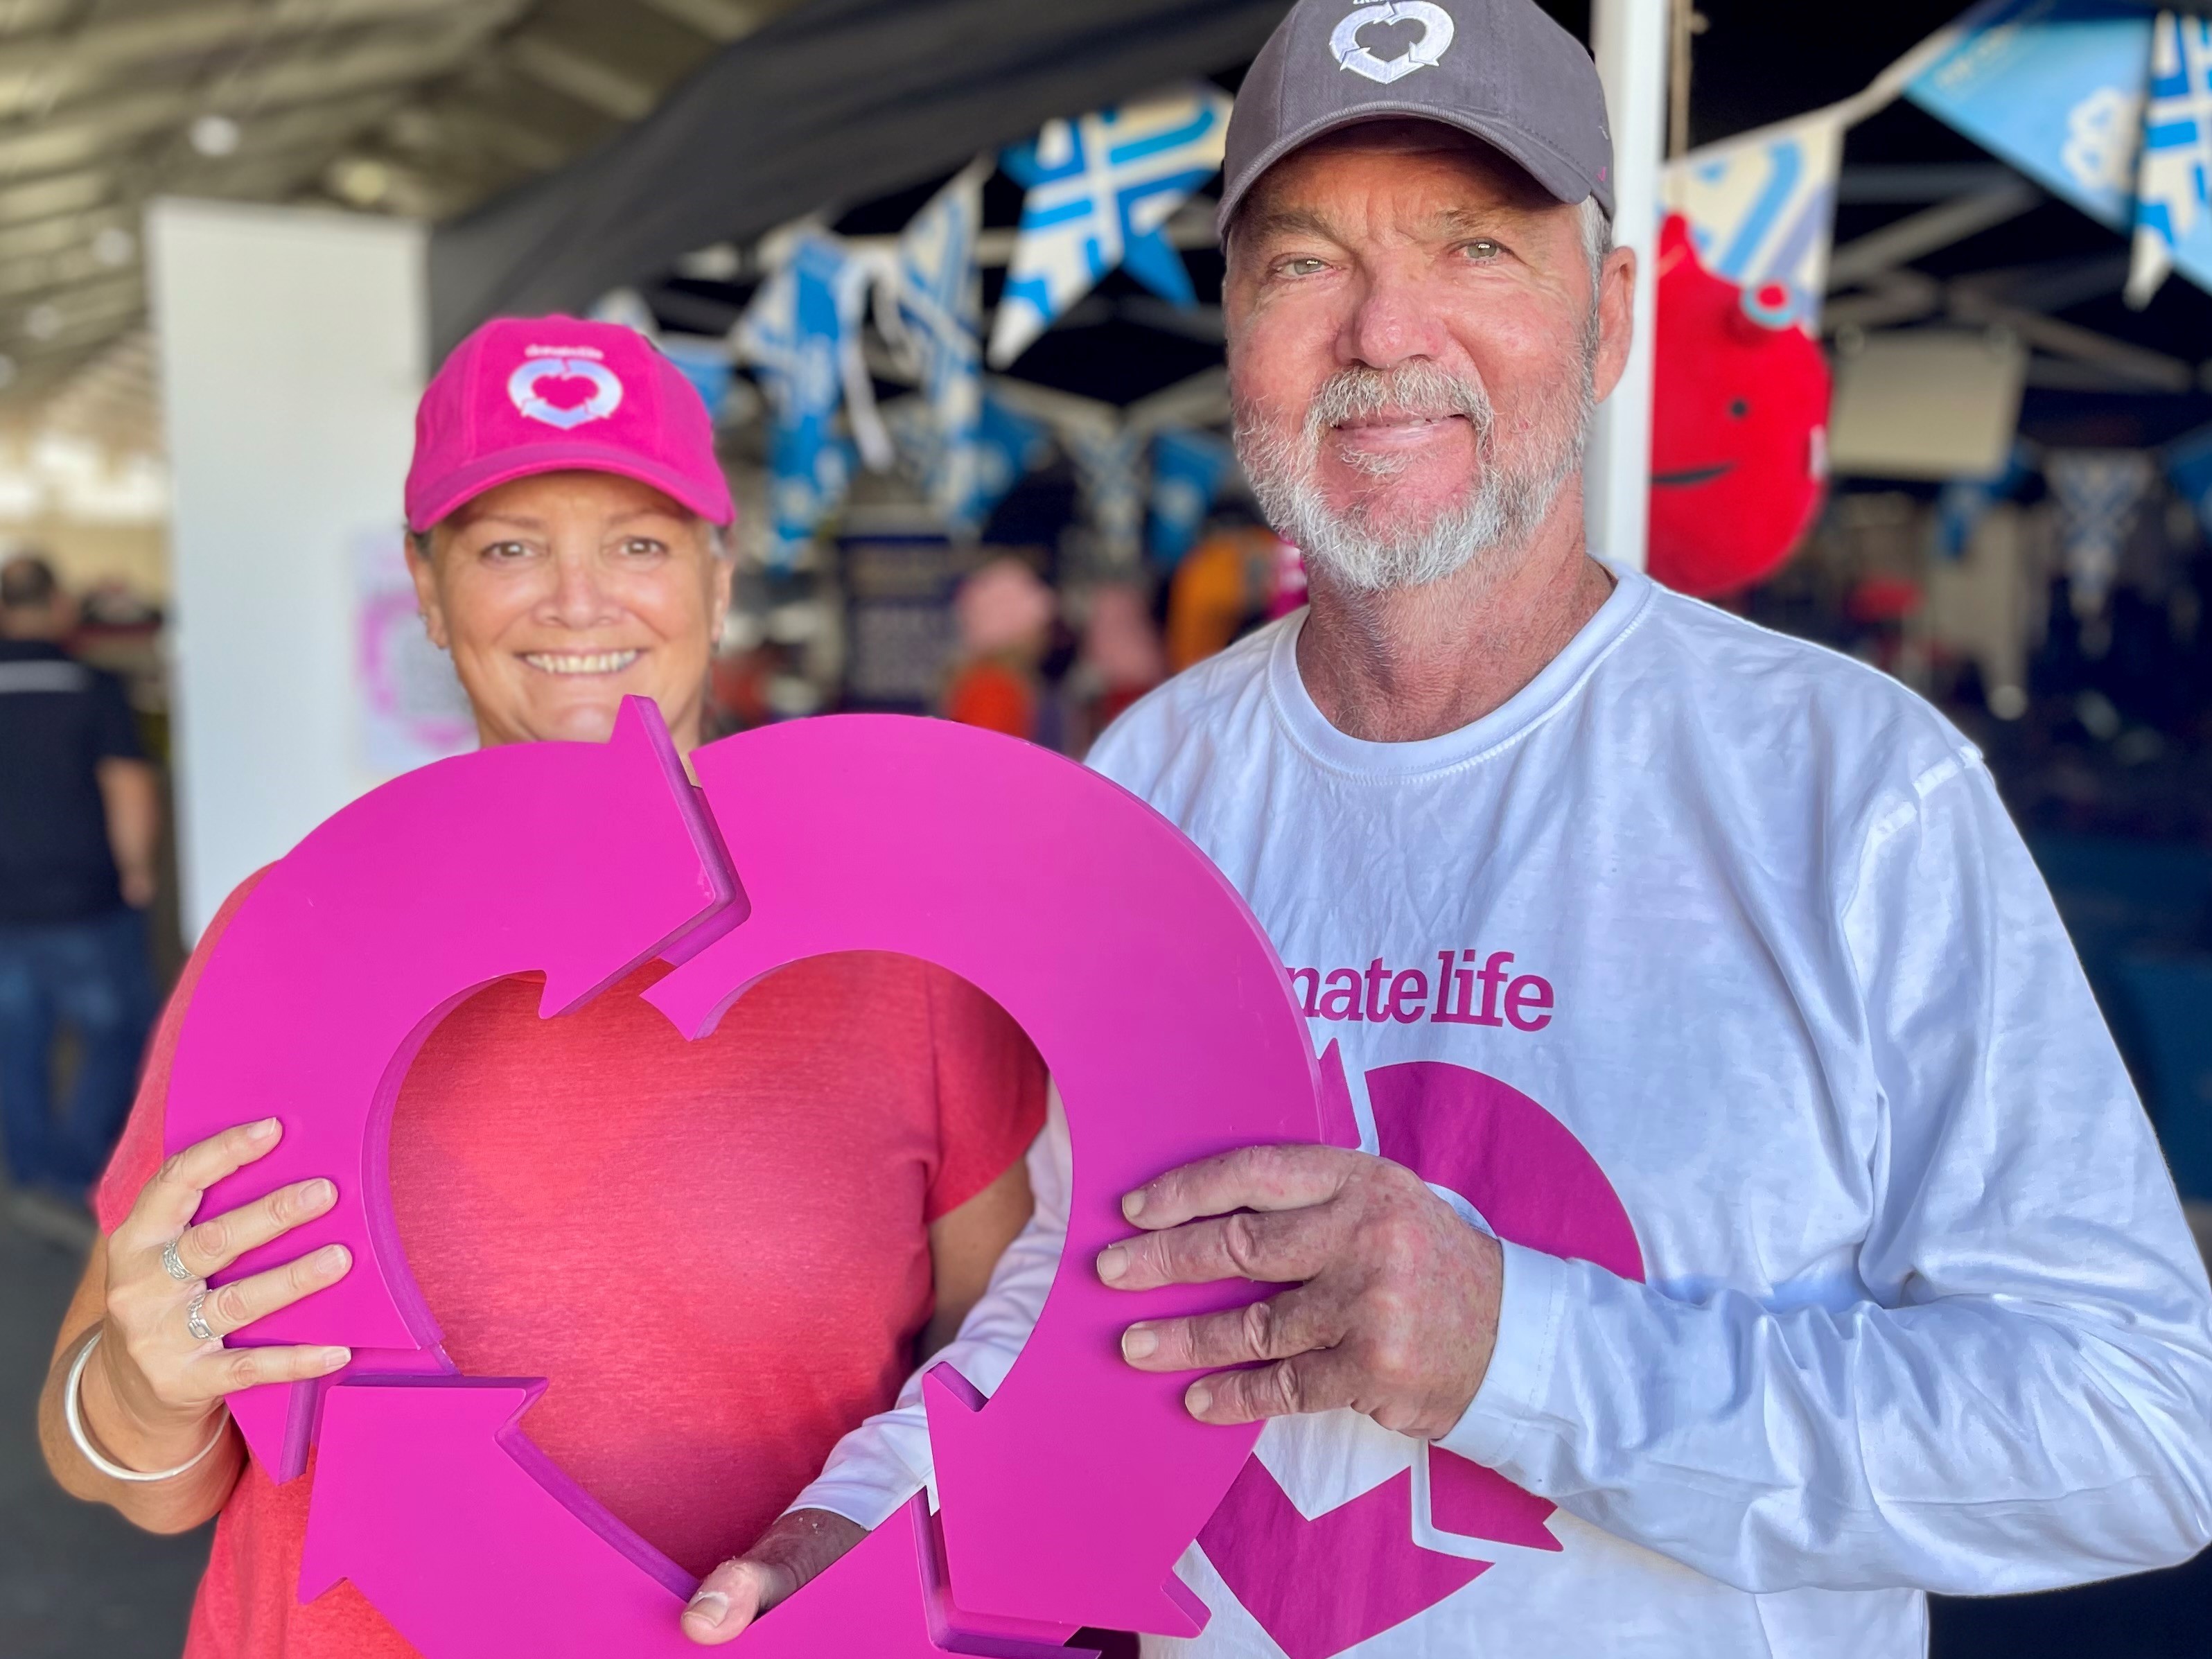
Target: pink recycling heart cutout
{"x": 1172, "y": 1032}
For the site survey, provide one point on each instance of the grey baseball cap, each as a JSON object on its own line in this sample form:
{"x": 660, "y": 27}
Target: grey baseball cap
{"x": 1500, "y": 70}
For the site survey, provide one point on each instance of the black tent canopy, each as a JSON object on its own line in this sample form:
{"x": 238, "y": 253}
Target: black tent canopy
{"x": 837, "y": 101}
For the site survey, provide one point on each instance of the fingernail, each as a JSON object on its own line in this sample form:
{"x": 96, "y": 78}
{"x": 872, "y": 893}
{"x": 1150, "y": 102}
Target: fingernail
{"x": 1133, "y": 1205}
{"x": 1113, "y": 1262}
{"x": 264, "y": 1130}
{"x": 1198, "y": 1397}
{"x": 333, "y": 1359}
{"x": 1137, "y": 1342}
{"x": 711, "y": 1606}
{"x": 333, "y": 1258}
{"x": 319, "y": 1192}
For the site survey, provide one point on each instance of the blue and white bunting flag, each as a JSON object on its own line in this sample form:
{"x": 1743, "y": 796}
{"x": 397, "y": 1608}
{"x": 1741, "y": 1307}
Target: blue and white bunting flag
{"x": 1109, "y": 457}
{"x": 2100, "y": 494}
{"x": 1009, "y": 446}
{"x": 800, "y": 334}
{"x": 940, "y": 310}
{"x": 1188, "y": 470}
{"x": 1101, "y": 191}
{"x": 1762, "y": 211}
{"x": 2055, "y": 88}
{"x": 2172, "y": 181}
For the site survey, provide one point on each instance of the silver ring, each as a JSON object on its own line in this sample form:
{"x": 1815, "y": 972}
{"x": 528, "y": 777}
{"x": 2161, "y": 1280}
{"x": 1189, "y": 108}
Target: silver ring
{"x": 173, "y": 1264}
{"x": 194, "y": 1320}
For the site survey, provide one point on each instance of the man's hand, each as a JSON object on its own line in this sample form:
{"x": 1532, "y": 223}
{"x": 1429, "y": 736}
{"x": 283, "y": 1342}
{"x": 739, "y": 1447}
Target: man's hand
{"x": 799, "y": 1545}
{"x": 1394, "y": 1308}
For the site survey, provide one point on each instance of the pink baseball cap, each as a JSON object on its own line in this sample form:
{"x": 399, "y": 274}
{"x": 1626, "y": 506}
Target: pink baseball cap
{"x": 525, "y": 395}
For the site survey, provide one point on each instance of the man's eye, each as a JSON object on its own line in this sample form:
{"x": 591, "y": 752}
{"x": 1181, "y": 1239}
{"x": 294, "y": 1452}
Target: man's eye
{"x": 644, "y": 547}
{"x": 1305, "y": 267}
{"x": 1483, "y": 248}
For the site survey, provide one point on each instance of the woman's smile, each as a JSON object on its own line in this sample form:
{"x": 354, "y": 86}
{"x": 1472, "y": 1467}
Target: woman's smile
{"x": 571, "y": 663}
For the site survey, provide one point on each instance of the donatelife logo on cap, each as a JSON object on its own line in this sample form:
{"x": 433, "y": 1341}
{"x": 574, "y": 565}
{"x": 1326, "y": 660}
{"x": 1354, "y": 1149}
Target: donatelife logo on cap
{"x": 543, "y": 363}
{"x": 1426, "y": 53}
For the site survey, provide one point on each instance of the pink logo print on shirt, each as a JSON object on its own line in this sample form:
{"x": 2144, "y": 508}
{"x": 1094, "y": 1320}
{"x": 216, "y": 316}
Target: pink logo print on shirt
{"x": 1321, "y": 1586}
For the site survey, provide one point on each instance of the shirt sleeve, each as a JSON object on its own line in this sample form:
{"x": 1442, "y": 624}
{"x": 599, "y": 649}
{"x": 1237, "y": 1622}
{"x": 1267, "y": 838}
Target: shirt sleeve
{"x": 2019, "y": 1401}
{"x": 114, "y": 728}
{"x": 990, "y": 1091}
{"x": 885, "y": 1461}
{"x": 137, "y": 1154}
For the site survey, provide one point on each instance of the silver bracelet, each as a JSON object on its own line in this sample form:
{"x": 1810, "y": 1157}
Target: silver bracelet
{"x": 114, "y": 1471}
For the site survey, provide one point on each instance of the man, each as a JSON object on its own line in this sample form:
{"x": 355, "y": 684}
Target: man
{"x": 79, "y": 822}
{"x": 1821, "y": 1254}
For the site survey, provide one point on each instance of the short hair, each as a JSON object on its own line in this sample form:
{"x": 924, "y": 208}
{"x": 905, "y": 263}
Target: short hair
{"x": 28, "y": 583}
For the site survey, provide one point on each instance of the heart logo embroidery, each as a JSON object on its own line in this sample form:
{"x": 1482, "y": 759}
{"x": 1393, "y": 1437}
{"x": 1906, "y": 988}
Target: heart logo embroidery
{"x": 605, "y": 396}
{"x": 1436, "y": 40}
{"x": 1522, "y": 1170}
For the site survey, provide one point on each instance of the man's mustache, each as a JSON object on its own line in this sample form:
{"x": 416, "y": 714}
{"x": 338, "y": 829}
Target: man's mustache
{"x": 1415, "y": 391}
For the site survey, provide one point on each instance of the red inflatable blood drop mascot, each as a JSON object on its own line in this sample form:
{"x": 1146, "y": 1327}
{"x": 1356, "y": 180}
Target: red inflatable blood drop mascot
{"x": 1740, "y": 417}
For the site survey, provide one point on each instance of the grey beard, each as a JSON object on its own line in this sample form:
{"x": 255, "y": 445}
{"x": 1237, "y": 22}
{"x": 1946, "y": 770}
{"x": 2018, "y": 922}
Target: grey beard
{"x": 1509, "y": 504}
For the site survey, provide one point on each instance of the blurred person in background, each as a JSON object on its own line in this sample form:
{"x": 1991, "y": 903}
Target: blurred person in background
{"x": 80, "y": 824}
{"x": 788, "y": 1213}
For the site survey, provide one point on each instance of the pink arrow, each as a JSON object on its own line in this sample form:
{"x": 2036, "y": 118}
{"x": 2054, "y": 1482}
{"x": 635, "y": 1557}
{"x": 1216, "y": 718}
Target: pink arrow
{"x": 429, "y": 1497}
{"x": 582, "y": 859}
{"x": 1171, "y": 1027}
{"x": 1320, "y": 1586}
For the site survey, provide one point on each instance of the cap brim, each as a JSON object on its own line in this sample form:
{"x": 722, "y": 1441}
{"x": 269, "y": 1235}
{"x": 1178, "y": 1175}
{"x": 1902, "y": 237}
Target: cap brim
{"x": 1558, "y": 177}
{"x": 459, "y": 488}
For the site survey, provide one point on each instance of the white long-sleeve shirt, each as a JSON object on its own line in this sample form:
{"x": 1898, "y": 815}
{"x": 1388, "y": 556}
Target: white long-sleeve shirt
{"x": 1841, "y": 1265}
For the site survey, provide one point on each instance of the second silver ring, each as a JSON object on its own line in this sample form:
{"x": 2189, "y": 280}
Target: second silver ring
{"x": 173, "y": 1264}
{"x": 195, "y": 1320}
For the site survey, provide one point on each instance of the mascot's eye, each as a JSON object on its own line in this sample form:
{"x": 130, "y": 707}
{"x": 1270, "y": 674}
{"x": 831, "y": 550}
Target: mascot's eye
{"x": 1738, "y": 409}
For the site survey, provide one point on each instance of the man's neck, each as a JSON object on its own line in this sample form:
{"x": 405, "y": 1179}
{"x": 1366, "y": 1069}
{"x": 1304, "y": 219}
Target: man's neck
{"x": 1408, "y": 664}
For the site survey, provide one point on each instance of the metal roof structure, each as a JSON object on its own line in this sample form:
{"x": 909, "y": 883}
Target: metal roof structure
{"x": 423, "y": 107}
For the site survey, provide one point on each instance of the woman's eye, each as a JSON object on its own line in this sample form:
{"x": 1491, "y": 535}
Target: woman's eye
{"x": 643, "y": 547}
{"x": 506, "y": 552}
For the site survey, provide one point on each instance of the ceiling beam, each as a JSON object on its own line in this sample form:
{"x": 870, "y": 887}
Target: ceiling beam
{"x": 1918, "y": 234}
{"x": 719, "y": 21}
{"x": 588, "y": 80}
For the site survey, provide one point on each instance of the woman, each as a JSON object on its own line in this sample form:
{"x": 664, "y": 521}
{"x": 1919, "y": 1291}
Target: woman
{"x": 724, "y": 1254}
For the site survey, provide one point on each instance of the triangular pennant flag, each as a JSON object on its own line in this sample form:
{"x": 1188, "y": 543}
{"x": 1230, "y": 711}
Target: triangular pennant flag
{"x": 1101, "y": 191}
{"x": 940, "y": 308}
{"x": 1188, "y": 469}
{"x": 2171, "y": 179}
{"x": 1762, "y": 214}
{"x": 2053, "y": 87}
{"x": 797, "y": 334}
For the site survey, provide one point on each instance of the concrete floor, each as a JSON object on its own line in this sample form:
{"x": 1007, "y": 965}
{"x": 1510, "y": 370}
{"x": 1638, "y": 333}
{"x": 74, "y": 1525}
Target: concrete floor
{"x": 75, "y": 1583}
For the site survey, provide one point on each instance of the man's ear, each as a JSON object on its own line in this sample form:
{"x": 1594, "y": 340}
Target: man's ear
{"x": 1616, "y": 318}
{"x": 422, "y": 566}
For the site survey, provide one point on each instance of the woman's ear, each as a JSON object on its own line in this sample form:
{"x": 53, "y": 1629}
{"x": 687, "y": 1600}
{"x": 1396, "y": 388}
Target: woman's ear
{"x": 422, "y": 567}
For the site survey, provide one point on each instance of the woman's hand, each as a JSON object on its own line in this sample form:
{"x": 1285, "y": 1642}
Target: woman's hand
{"x": 791, "y": 1552}
{"x": 155, "y": 1391}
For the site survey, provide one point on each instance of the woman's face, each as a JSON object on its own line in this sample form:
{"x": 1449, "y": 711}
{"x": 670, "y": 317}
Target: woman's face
{"x": 561, "y": 594}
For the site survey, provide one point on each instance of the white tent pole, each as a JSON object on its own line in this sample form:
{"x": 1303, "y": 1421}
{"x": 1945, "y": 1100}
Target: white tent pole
{"x": 1631, "y": 42}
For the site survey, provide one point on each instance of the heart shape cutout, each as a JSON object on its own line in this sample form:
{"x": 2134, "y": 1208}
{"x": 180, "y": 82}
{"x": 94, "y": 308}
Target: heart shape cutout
{"x": 1173, "y": 1034}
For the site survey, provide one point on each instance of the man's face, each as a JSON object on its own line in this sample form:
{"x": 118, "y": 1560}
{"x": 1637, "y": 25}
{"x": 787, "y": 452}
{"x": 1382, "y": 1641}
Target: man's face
{"x": 1416, "y": 343}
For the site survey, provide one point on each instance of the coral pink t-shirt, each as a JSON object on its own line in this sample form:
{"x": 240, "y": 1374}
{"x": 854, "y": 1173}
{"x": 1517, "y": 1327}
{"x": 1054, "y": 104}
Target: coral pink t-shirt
{"x": 717, "y": 1252}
